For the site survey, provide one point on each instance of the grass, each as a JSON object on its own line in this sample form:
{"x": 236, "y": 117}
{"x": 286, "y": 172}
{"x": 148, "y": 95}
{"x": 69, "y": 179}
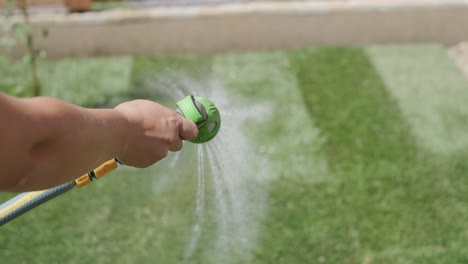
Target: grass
{"x": 349, "y": 179}
{"x": 430, "y": 90}
{"x": 387, "y": 202}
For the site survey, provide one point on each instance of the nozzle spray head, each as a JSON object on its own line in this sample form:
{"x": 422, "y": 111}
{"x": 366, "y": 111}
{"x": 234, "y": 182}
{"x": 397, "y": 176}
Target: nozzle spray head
{"x": 203, "y": 113}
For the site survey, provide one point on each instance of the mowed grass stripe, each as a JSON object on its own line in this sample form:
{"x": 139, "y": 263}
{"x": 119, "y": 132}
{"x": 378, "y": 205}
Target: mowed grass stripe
{"x": 279, "y": 129}
{"x": 351, "y": 107}
{"x": 388, "y": 195}
{"x": 431, "y": 91}
{"x": 280, "y": 121}
{"x": 86, "y": 81}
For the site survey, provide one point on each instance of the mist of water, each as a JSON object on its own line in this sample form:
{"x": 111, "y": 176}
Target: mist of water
{"x": 164, "y": 181}
{"x": 199, "y": 208}
{"x": 232, "y": 165}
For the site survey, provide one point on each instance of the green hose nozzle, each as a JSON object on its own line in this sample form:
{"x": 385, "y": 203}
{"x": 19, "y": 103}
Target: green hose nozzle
{"x": 203, "y": 113}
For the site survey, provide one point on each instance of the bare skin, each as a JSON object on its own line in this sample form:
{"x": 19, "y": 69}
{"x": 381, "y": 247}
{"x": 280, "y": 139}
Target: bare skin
{"x": 45, "y": 142}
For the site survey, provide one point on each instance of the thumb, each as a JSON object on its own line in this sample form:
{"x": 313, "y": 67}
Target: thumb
{"x": 188, "y": 130}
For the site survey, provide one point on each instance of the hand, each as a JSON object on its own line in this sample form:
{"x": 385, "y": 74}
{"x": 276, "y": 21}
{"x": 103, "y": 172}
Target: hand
{"x": 153, "y": 131}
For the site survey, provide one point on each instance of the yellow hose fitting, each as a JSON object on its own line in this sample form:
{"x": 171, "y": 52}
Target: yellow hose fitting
{"x": 83, "y": 180}
{"x": 105, "y": 168}
{"x": 97, "y": 173}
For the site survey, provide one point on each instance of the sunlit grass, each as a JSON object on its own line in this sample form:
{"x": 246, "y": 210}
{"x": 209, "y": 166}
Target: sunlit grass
{"x": 349, "y": 181}
{"x": 388, "y": 202}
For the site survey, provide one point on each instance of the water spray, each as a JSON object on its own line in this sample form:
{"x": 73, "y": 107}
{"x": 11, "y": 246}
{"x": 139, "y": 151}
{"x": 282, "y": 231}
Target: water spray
{"x": 198, "y": 109}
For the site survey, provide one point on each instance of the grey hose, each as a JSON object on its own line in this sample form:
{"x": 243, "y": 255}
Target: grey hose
{"x": 24, "y": 202}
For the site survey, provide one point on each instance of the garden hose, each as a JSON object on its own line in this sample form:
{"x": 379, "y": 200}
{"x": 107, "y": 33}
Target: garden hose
{"x": 24, "y": 202}
{"x": 197, "y": 109}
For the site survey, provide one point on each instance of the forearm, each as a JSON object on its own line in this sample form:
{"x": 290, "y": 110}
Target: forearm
{"x": 58, "y": 142}
{"x": 45, "y": 142}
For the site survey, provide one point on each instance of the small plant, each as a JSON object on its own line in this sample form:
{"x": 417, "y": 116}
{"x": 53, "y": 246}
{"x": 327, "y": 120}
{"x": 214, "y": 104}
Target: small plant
{"x": 32, "y": 54}
{"x": 12, "y": 33}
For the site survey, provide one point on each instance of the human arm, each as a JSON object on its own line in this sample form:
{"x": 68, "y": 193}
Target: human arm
{"x": 45, "y": 142}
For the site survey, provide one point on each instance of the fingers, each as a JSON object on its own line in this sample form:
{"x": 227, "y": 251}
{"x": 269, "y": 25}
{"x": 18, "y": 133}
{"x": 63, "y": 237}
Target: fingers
{"x": 153, "y": 131}
{"x": 188, "y": 130}
{"x": 176, "y": 146}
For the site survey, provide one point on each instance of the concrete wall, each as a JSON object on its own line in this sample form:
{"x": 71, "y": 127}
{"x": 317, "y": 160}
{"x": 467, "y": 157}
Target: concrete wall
{"x": 249, "y": 26}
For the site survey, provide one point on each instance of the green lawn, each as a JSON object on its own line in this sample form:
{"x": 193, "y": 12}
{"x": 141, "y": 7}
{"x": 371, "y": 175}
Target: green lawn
{"x": 326, "y": 155}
